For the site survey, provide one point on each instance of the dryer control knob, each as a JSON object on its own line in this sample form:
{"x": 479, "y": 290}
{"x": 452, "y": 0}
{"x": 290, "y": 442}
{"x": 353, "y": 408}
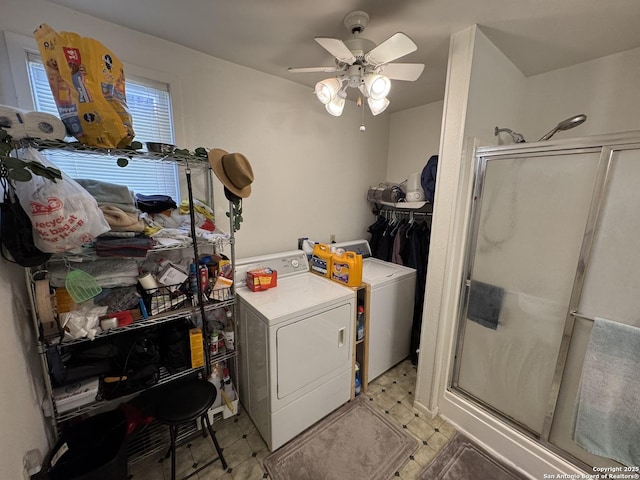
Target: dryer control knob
{"x": 295, "y": 263}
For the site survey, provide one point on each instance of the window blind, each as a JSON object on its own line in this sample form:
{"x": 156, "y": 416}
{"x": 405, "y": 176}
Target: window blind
{"x": 149, "y": 104}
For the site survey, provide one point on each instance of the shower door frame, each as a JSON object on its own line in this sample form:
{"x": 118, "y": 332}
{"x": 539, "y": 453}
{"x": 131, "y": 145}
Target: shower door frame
{"x": 607, "y": 145}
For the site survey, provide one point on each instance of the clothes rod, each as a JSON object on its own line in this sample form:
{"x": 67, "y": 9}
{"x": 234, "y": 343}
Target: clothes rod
{"x": 404, "y": 212}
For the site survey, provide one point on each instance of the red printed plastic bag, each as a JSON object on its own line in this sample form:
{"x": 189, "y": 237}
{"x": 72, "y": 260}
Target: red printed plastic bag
{"x": 64, "y": 215}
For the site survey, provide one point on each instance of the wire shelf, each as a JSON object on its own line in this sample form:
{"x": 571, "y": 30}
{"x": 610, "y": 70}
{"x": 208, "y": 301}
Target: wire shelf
{"x": 97, "y": 404}
{"x": 139, "y": 155}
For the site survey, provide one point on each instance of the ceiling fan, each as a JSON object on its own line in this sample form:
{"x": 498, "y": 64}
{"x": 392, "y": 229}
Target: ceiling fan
{"x": 360, "y": 64}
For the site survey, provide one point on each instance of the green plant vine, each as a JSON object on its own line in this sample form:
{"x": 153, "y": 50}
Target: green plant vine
{"x": 19, "y": 170}
{"x": 236, "y": 204}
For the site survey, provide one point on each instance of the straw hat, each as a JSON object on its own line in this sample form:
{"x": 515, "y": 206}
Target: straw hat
{"x": 233, "y": 170}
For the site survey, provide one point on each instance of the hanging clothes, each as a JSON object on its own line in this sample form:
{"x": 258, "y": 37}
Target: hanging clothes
{"x": 383, "y": 252}
{"x": 399, "y": 242}
{"x": 376, "y": 230}
{"x": 405, "y": 243}
{"x": 418, "y": 258}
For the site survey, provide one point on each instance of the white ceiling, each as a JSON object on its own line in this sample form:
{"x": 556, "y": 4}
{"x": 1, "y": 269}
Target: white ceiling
{"x": 271, "y": 35}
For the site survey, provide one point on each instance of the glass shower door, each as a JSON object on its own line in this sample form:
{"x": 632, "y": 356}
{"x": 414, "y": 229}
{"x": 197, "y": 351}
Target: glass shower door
{"x": 529, "y": 222}
{"x": 610, "y": 290}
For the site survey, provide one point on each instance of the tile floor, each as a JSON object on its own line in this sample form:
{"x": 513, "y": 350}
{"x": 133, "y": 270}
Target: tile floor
{"x": 244, "y": 449}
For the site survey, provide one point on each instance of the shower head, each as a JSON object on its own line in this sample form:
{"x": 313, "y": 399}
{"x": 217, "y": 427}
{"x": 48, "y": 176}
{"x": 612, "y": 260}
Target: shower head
{"x": 565, "y": 125}
{"x": 515, "y": 136}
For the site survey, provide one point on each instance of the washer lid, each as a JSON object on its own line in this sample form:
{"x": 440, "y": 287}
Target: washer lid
{"x": 376, "y": 271}
{"x": 359, "y": 246}
{"x": 298, "y": 294}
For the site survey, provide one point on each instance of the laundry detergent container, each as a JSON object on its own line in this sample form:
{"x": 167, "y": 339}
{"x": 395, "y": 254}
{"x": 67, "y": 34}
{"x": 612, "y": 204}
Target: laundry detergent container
{"x": 93, "y": 449}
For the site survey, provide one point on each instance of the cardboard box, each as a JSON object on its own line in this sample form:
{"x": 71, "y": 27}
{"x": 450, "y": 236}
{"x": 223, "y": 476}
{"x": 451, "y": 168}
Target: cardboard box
{"x": 197, "y": 350}
{"x": 262, "y": 279}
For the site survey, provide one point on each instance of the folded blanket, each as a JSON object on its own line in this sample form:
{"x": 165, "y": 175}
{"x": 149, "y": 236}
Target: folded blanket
{"x": 107, "y": 193}
{"x": 607, "y": 414}
{"x": 137, "y": 247}
{"x": 119, "y": 220}
{"x": 112, "y": 272}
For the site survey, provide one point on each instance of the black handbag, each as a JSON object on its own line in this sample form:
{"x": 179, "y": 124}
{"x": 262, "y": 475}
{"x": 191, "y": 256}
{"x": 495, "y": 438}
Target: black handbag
{"x": 70, "y": 364}
{"x": 16, "y": 232}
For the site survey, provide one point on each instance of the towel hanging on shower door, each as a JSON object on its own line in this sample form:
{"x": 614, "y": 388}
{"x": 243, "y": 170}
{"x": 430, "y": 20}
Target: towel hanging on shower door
{"x": 607, "y": 414}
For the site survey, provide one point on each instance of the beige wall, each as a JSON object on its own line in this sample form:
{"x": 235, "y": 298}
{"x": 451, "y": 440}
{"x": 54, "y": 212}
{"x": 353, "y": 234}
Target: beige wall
{"x": 605, "y": 89}
{"x": 21, "y": 388}
{"x": 414, "y": 136}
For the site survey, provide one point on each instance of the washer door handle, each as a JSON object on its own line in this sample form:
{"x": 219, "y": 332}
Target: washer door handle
{"x": 341, "y": 334}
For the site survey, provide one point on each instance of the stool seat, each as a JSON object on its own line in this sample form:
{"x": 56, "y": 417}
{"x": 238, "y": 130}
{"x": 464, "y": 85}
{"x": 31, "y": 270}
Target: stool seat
{"x": 185, "y": 401}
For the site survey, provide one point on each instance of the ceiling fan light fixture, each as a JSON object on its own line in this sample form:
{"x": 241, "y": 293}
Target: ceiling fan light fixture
{"x": 326, "y": 90}
{"x": 378, "y": 106}
{"x": 336, "y": 106}
{"x": 376, "y": 86}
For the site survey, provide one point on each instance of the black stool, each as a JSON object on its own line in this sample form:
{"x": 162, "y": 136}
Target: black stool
{"x": 184, "y": 402}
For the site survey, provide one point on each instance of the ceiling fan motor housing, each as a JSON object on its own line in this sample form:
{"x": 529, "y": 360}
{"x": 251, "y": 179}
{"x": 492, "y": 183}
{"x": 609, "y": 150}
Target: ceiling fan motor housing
{"x": 359, "y": 47}
{"x": 356, "y": 21}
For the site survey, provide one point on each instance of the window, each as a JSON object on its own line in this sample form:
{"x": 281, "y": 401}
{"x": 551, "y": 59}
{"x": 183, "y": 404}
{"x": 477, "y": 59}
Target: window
{"x": 150, "y": 107}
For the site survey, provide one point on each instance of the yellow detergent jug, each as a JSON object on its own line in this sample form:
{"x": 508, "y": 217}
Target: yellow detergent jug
{"x": 321, "y": 260}
{"x": 346, "y": 268}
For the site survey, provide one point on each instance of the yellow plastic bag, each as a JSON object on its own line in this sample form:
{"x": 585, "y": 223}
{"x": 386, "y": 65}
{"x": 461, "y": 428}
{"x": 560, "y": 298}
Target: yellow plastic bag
{"x": 87, "y": 81}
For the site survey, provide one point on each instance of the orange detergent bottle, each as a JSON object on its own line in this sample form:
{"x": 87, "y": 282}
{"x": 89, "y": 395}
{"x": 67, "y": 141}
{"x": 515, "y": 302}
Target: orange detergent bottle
{"x": 346, "y": 268}
{"x": 321, "y": 260}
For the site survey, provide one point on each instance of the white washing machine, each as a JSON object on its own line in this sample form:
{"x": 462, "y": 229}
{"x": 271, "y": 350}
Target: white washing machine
{"x": 294, "y": 345}
{"x": 391, "y": 304}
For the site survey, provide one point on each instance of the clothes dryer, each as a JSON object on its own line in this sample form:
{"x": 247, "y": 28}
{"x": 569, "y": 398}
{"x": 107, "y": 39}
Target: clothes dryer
{"x": 295, "y": 344}
{"x": 391, "y": 308}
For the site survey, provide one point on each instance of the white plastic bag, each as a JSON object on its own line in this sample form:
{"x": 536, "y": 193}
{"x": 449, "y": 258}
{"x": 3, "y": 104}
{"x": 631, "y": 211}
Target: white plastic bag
{"x": 64, "y": 215}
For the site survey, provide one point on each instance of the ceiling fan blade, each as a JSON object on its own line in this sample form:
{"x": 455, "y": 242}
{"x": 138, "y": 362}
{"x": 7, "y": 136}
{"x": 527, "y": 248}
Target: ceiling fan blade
{"x": 396, "y": 46}
{"x": 409, "y": 72}
{"x": 337, "y": 48}
{"x": 312, "y": 69}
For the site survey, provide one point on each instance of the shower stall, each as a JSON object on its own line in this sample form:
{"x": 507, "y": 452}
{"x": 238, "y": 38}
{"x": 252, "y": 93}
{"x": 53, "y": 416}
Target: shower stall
{"x": 552, "y": 246}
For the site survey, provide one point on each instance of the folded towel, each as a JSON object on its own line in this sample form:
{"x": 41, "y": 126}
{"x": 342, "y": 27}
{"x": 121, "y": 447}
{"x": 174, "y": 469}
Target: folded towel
{"x": 607, "y": 414}
{"x": 119, "y": 220}
{"x": 485, "y": 302}
{"x": 108, "y": 193}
